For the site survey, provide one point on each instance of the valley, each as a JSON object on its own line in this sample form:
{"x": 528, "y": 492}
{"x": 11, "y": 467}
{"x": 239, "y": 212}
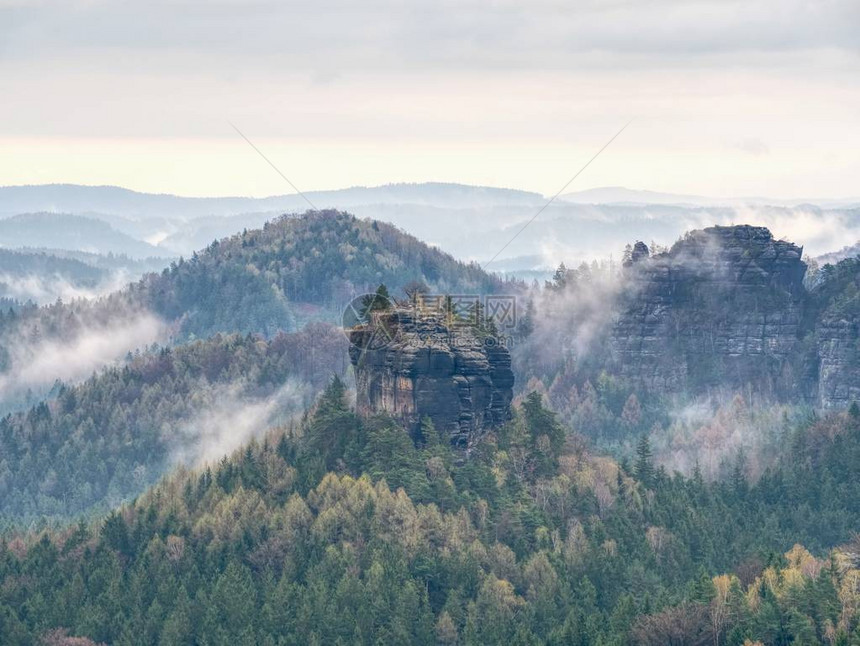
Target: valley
{"x": 286, "y": 480}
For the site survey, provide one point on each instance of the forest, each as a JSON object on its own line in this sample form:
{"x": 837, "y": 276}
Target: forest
{"x": 345, "y": 530}
{"x": 596, "y": 515}
{"x": 97, "y": 444}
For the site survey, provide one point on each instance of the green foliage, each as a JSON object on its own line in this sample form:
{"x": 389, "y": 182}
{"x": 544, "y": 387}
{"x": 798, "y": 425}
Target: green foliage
{"x": 257, "y": 281}
{"x": 379, "y": 301}
{"x": 644, "y": 467}
{"x": 108, "y": 439}
{"x": 531, "y": 540}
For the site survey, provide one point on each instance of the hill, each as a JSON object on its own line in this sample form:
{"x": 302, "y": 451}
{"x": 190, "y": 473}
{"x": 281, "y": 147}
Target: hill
{"x": 114, "y": 200}
{"x": 471, "y": 222}
{"x": 295, "y": 270}
{"x": 41, "y": 277}
{"x": 850, "y": 251}
{"x": 346, "y": 531}
{"x": 104, "y": 441}
{"x": 298, "y": 268}
{"x": 71, "y": 232}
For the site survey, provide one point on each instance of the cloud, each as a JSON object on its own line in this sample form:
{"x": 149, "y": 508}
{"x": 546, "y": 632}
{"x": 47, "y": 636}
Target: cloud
{"x": 817, "y": 231}
{"x": 715, "y": 432}
{"x": 503, "y": 93}
{"x": 325, "y": 37}
{"x": 753, "y": 146}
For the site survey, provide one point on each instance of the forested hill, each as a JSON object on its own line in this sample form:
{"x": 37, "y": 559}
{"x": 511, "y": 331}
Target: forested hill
{"x": 347, "y": 532}
{"x": 294, "y": 271}
{"x": 104, "y": 441}
{"x": 298, "y": 268}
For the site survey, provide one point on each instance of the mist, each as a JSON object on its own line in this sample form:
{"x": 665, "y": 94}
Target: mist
{"x": 228, "y": 417}
{"x": 48, "y": 288}
{"x": 35, "y": 362}
{"x": 719, "y": 435}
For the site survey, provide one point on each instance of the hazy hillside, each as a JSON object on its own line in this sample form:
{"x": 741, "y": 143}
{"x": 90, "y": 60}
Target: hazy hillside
{"x": 41, "y": 277}
{"x": 850, "y": 251}
{"x": 299, "y": 268}
{"x": 45, "y": 275}
{"x": 72, "y": 232}
{"x": 344, "y": 527}
{"x": 622, "y": 195}
{"x": 104, "y": 441}
{"x": 113, "y": 200}
{"x": 296, "y": 270}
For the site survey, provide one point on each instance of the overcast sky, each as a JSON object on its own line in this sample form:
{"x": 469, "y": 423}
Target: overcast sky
{"x": 729, "y": 98}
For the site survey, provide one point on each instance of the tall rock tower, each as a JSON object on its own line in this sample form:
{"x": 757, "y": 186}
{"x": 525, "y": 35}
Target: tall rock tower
{"x": 414, "y": 365}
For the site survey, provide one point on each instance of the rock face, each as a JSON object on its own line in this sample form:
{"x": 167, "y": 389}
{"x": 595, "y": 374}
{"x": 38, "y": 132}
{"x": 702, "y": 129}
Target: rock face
{"x": 836, "y": 301}
{"x": 724, "y": 307}
{"x": 839, "y": 361}
{"x": 414, "y": 366}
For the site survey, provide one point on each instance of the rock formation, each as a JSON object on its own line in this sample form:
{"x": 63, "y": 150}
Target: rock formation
{"x": 836, "y": 303}
{"x": 723, "y": 307}
{"x": 726, "y": 307}
{"x": 839, "y": 361}
{"x": 412, "y": 365}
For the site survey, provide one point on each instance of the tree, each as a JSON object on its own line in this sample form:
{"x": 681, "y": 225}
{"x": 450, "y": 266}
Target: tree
{"x": 333, "y": 426}
{"x": 379, "y": 301}
{"x": 414, "y": 290}
{"x": 233, "y": 603}
{"x": 547, "y": 434}
{"x": 559, "y": 278}
{"x": 12, "y": 631}
{"x": 526, "y": 321}
{"x": 644, "y": 467}
{"x": 684, "y": 625}
{"x": 631, "y": 415}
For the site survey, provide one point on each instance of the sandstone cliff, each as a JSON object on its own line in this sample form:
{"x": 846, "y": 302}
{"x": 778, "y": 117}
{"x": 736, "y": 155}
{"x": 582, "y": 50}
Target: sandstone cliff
{"x": 723, "y": 308}
{"x": 835, "y": 301}
{"x": 414, "y": 366}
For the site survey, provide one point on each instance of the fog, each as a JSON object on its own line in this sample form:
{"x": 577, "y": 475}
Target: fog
{"x": 34, "y": 363}
{"x": 47, "y": 288}
{"x": 228, "y": 416}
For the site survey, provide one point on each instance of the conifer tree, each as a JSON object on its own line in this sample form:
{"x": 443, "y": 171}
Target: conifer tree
{"x": 644, "y": 467}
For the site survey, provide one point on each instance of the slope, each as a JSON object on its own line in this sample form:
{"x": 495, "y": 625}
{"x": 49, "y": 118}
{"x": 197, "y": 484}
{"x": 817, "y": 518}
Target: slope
{"x": 295, "y": 270}
{"x": 72, "y": 232}
{"x": 287, "y": 542}
{"x": 107, "y": 439}
{"x": 300, "y": 268}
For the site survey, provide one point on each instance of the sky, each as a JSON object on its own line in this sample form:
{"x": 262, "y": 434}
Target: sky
{"x": 728, "y": 99}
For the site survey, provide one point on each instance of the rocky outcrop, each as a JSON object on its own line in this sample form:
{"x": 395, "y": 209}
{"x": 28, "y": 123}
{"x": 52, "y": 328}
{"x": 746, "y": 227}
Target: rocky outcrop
{"x": 838, "y": 344}
{"x": 414, "y": 366}
{"x": 835, "y": 300}
{"x": 724, "y": 307}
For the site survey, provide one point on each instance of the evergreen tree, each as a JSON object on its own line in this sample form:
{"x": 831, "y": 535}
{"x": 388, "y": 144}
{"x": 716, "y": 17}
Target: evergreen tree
{"x": 644, "y": 467}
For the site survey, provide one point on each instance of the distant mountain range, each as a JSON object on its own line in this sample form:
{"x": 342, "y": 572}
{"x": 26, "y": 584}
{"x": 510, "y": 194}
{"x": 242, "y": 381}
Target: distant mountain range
{"x": 132, "y": 204}
{"x": 72, "y": 232}
{"x": 622, "y": 195}
{"x": 471, "y": 222}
